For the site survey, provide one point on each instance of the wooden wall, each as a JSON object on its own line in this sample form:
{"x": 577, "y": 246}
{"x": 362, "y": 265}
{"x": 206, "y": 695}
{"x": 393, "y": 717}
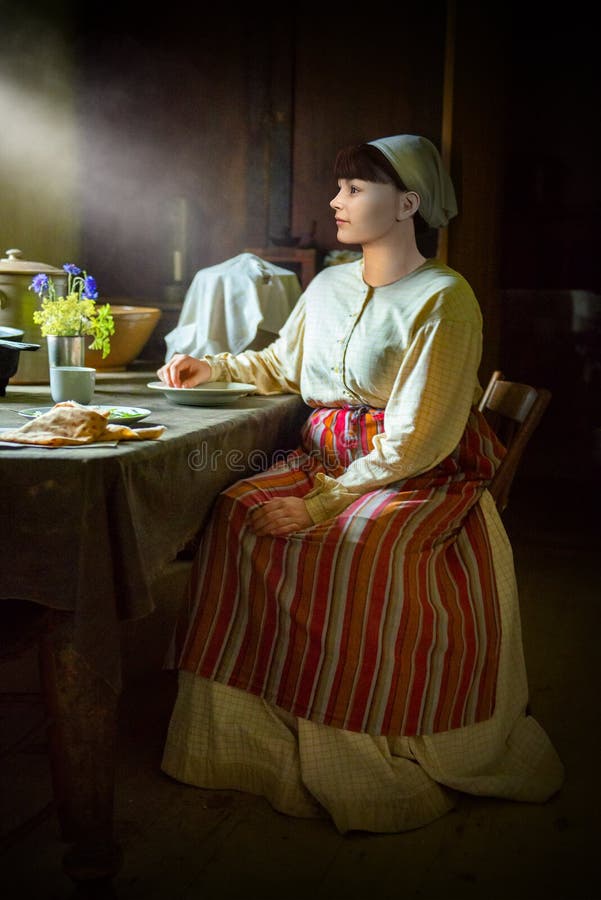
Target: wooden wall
{"x": 357, "y": 81}
{"x": 242, "y": 117}
{"x": 39, "y": 139}
{"x": 477, "y": 153}
{"x": 171, "y": 115}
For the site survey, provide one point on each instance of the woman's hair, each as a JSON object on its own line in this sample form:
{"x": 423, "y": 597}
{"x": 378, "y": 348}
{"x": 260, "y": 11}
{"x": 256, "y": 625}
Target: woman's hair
{"x": 367, "y": 163}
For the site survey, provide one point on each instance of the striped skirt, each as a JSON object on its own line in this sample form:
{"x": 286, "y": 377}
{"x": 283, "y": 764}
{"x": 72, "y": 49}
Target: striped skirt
{"x": 383, "y": 619}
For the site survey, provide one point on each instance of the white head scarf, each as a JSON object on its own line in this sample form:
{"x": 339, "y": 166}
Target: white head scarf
{"x": 419, "y": 166}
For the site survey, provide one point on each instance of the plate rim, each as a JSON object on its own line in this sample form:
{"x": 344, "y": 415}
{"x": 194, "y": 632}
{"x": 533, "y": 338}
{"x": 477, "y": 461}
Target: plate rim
{"x": 142, "y": 413}
{"x": 207, "y": 388}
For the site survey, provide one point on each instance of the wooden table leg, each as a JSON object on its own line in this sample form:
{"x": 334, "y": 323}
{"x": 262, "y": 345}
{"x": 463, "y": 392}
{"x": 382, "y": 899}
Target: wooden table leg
{"x": 82, "y": 709}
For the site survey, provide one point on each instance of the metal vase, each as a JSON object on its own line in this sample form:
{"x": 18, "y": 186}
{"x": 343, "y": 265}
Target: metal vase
{"x": 66, "y": 351}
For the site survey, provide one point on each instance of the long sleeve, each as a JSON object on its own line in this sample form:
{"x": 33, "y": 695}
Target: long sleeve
{"x": 424, "y": 418}
{"x": 274, "y": 370}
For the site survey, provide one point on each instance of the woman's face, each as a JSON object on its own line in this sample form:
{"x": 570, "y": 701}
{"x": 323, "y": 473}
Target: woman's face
{"x": 365, "y": 210}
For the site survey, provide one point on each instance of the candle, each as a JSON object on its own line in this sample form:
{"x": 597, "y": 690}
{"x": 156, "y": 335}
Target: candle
{"x": 177, "y": 265}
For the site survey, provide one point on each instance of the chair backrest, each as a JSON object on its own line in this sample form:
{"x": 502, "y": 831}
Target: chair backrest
{"x": 513, "y": 410}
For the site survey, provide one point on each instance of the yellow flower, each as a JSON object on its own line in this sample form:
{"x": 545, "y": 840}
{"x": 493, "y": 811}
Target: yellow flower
{"x": 75, "y": 314}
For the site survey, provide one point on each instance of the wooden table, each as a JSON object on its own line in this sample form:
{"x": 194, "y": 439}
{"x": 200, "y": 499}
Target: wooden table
{"x": 85, "y": 532}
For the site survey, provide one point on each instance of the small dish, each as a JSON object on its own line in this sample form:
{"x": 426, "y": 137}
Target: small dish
{"x": 118, "y": 415}
{"x": 213, "y": 393}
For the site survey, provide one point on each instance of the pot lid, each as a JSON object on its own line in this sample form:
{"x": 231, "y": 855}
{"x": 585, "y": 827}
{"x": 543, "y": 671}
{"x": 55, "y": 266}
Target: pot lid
{"x": 14, "y": 264}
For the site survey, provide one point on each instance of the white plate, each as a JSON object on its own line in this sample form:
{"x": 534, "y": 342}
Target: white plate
{"x": 214, "y": 393}
{"x": 119, "y": 415}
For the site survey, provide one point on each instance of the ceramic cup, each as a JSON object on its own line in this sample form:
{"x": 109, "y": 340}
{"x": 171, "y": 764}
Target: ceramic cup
{"x": 72, "y": 383}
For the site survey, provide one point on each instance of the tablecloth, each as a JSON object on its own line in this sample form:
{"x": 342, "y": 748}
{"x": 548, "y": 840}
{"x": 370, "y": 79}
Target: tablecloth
{"x": 88, "y": 530}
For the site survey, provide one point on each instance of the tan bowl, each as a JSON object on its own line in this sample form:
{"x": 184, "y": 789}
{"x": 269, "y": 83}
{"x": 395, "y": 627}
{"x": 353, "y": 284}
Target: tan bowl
{"x": 133, "y": 327}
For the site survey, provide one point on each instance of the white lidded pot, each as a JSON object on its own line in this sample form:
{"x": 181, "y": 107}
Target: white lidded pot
{"x": 17, "y": 306}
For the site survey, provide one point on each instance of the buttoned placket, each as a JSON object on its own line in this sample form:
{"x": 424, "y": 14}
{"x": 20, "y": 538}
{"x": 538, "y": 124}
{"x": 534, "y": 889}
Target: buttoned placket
{"x": 343, "y": 342}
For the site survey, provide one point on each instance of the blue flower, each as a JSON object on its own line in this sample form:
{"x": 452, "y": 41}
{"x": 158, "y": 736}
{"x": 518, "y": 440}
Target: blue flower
{"x": 72, "y": 269}
{"x": 90, "y": 289}
{"x": 39, "y": 284}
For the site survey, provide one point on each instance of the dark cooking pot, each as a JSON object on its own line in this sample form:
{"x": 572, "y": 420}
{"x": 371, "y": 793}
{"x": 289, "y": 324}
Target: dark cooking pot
{"x": 10, "y": 347}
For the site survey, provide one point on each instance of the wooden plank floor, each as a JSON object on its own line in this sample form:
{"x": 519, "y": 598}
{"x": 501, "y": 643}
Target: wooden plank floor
{"x": 184, "y": 843}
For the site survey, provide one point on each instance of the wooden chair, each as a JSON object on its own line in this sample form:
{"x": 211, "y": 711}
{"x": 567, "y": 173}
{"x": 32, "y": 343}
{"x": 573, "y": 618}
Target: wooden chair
{"x": 513, "y": 410}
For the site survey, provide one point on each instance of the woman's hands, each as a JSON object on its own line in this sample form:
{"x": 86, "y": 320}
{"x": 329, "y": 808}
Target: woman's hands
{"x": 184, "y": 371}
{"x": 281, "y": 516}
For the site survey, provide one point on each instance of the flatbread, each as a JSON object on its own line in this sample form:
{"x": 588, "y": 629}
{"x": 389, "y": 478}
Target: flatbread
{"x": 125, "y": 433}
{"x": 69, "y": 423}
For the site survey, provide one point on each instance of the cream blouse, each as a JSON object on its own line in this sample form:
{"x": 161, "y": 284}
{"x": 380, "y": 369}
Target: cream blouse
{"x": 412, "y": 348}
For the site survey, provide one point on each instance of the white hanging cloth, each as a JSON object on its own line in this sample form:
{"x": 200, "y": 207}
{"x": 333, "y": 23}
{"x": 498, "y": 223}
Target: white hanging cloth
{"x": 228, "y": 303}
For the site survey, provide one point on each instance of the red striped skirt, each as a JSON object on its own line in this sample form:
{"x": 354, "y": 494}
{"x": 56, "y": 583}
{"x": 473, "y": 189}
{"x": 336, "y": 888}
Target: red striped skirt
{"x": 383, "y": 619}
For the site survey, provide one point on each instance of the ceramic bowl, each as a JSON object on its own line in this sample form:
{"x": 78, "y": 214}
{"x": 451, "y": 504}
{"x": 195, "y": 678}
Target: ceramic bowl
{"x": 133, "y": 328}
